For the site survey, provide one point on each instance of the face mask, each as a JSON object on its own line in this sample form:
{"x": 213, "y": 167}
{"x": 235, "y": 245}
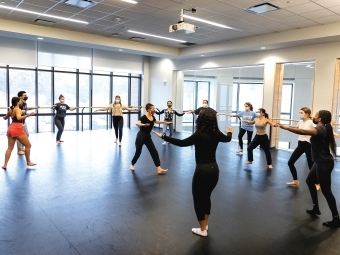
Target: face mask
{"x": 246, "y": 108}
{"x": 117, "y": 101}
{"x": 205, "y": 105}
{"x": 25, "y": 98}
{"x": 302, "y": 117}
{"x": 258, "y": 114}
{"x": 314, "y": 121}
{"x": 169, "y": 105}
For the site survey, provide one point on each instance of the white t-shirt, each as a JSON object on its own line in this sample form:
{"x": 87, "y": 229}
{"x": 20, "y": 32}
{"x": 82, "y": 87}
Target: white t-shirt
{"x": 308, "y": 124}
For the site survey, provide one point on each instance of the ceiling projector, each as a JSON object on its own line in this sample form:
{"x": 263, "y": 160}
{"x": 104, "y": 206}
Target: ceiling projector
{"x": 181, "y": 26}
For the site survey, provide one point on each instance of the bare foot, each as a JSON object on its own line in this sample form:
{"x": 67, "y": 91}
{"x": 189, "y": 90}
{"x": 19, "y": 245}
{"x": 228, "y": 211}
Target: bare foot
{"x": 116, "y": 141}
{"x": 239, "y": 151}
{"x": 132, "y": 167}
{"x": 270, "y": 166}
{"x": 248, "y": 162}
{"x": 58, "y": 142}
{"x": 317, "y": 186}
{"x": 21, "y": 152}
{"x": 31, "y": 164}
{"x": 4, "y": 167}
{"x": 162, "y": 171}
{"x": 293, "y": 183}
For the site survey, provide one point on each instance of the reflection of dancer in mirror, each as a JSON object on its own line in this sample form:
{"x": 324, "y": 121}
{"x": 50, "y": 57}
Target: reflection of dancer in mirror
{"x": 247, "y": 124}
{"x": 117, "y": 117}
{"x": 261, "y": 138}
{"x": 146, "y": 123}
{"x": 205, "y": 139}
{"x": 16, "y": 132}
{"x": 304, "y": 145}
{"x": 59, "y": 119}
{"x": 168, "y": 116}
{"x": 323, "y": 153}
{"x": 204, "y": 106}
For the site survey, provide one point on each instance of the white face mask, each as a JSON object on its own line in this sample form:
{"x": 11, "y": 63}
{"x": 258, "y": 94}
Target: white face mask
{"x": 117, "y": 101}
{"x": 258, "y": 114}
{"x": 302, "y": 117}
{"x": 246, "y": 108}
{"x": 205, "y": 105}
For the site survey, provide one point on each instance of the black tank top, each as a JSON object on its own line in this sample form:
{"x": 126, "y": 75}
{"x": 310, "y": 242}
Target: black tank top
{"x": 14, "y": 119}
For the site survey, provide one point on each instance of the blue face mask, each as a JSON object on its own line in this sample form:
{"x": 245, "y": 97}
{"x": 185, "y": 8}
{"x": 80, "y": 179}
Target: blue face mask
{"x": 302, "y": 117}
{"x": 246, "y": 108}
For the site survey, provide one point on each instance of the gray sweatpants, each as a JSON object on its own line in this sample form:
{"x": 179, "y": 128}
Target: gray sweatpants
{"x": 170, "y": 128}
{"x": 19, "y": 145}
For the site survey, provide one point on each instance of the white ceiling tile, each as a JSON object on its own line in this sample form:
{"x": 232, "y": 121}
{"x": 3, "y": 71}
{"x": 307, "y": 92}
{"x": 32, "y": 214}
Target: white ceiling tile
{"x": 228, "y": 10}
{"x": 284, "y": 4}
{"x": 128, "y": 14}
{"x": 59, "y": 13}
{"x": 328, "y": 19}
{"x": 177, "y": 8}
{"x": 104, "y": 23}
{"x": 84, "y": 18}
{"x": 11, "y": 4}
{"x": 291, "y": 19}
{"x": 94, "y": 14}
{"x": 336, "y": 9}
{"x": 303, "y": 8}
{"x": 68, "y": 8}
{"x": 317, "y": 14}
{"x": 22, "y": 18}
{"x": 244, "y": 4}
{"x": 94, "y": 27}
{"x": 160, "y": 4}
{"x": 276, "y": 26}
{"x": 200, "y": 3}
{"x": 105, "y": 8}
{"x": 277, "y": 14}
{"x": 327, "y": 3}
{"x": 141, "y": 8}
{"x": 32, "y": 8}
{"x": 306, "y": 23}
{"x": 173, "y": 17}
{"x": 42, "y": 3}
{"x": 255, "y": 19}
{"x": 117, "y": 3}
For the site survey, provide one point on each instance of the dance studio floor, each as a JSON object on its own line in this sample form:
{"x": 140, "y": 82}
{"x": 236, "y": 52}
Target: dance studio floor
{"x": 83, "y": 199}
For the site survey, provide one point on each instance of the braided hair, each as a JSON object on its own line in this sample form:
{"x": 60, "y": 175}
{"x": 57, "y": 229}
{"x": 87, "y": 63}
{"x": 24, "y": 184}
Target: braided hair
{"x": 326, "y": 118}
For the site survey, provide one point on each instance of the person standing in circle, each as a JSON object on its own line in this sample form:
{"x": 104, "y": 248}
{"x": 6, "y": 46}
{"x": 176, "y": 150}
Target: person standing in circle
{"x": 261, "y": 138}
{"x": 323, "y": 153}
{"x": 205, "y": 140}
{"x": 205, "y": 105}
{"x": 247, "y": 124}
{"x": 117, "y": 117}
{"x": 168, "y": 116}
{"x": 146, "y": 123}
{"x": 16, "y": 132}
{"x": 59, "y": 119}
{"x": 304, "y": 145}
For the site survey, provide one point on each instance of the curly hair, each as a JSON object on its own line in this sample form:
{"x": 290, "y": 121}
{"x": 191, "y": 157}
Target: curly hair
{"x": 207, "y": 122}
{"x": 326, "y": 118}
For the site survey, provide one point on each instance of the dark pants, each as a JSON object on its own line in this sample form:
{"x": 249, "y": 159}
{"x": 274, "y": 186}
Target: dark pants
{"x": 141, "y": 139}
{"x": 240, "y": 136}
{"x": 203, "y": 183}
{"x": 322, "y": 172}
{"x": 60, "y": 123}
{"x": 118, "y": 123}
{"x": 263, "y": 141}
{"x": 303, "y": 147}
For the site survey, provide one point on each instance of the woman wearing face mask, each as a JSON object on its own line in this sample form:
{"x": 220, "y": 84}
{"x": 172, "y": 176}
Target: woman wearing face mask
{"x": 59, "y": 119}
{"x": 261, "y": 138}
{"x": 247, "y": 124}
{"x": 146, "y": 123}
{"x": 117, "y": 117}
{"x": 204, "y": 106}
{"x": 323, "y": 152}
{"x": 168, "y": 116}
{"x": 16, "y": 132}
{"x": 304, "y": 145}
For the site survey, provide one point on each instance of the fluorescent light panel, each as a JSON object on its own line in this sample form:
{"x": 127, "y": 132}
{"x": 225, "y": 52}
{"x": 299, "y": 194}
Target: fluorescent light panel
{"x": 130, "y": 1}
{"x": 209, "y": 22}
{"x": 157, "y": 36}
{"x": 42, "y": 14}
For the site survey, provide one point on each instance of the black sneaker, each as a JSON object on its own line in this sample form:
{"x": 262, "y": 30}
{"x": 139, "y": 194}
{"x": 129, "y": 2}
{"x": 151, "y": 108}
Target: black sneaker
{"x": 313, "y": 212}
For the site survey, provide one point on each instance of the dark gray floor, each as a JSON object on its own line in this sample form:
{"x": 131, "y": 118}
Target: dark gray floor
{"x": 83, "y": 199}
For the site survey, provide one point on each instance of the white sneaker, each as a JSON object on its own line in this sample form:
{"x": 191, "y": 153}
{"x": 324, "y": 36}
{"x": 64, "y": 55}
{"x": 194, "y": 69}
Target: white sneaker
{"x": 164, "y": 143}
{"x": 199, "y": 232}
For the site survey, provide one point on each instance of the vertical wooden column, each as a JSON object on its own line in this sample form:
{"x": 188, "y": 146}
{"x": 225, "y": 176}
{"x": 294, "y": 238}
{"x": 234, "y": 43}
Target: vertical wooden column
{"x": 277, "y": 98}
{"x": 336, "y": 90}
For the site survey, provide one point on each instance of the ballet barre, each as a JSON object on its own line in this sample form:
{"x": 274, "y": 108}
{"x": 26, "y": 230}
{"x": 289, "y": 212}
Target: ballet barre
{"x": 285, "y": 119}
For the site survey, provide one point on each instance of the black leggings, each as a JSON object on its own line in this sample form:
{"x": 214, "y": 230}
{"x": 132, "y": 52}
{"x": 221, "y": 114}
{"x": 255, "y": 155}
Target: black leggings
{"x": 118, "y": 123}
{"x": 322, "y": 172}
{"x": 141, "y": 139}
{"x": 263, "y": 141}
{"x": 203, "y": 183}
{"x": 303, "y": 147}
{"x": 60, "y": 123}
{"x": 240, "y": 136}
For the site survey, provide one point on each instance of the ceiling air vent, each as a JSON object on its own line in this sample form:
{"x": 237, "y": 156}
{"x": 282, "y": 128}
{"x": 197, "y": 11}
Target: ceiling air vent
{"x": 80, "y": 3}
{"x": 44, "y": 22}
{"x": 137, "y": 38}
{"x": 262, "y": 8}
{"x": 188, "y": 44}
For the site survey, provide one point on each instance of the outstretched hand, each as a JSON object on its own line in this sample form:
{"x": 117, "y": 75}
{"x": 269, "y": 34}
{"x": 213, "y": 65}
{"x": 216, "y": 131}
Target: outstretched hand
{"x": 229, "y": 130}
{"x": 336, "y": 135}
{"x": 158, "y": 134}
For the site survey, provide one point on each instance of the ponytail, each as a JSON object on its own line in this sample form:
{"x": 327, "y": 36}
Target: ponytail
{"x": 264, "y": 113}
{"x": 326, "y": 118}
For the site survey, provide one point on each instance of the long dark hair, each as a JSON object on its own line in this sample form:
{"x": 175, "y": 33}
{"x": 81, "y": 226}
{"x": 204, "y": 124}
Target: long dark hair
{"x": 326, "y": 118}
{"x": 264, "y": 112}
{"x": 15, "y": 100}
{"x": 207, "y": 122}
{"x": 250, "y": 105}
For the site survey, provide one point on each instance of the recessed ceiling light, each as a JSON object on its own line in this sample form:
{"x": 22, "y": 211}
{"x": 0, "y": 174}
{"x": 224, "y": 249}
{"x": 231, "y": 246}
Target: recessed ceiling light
{"x": 42, "y": 14}
{"x": 157, "y": 36}
{"x": 2, "y": 2}
{"x": 40, "y": 38}
{"x": 120, "y": 49}
{"x": 209, "y": 22}
{"x": 263, "y": 48}
{"x": 262, "y": 8}
{"x": 130, "y": 1}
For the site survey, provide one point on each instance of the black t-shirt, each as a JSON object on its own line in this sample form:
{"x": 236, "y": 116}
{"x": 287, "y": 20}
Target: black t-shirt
{"x": 320, "y": 146}
{"x": 23, "y": 107}
{"x": 197, "y": 111}
{"x": 61, "y": 109}
{"x": 205, "y": 145}
{"x": 145, "y": 120}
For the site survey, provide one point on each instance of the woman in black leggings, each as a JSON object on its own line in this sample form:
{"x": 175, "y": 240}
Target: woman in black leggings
{"x": 59, "y": 119}
{"x": 146, "y": 123}
{"x": 205, "y": 139}
{"x": 117, "y": 117}
{"x": 323, "y": 151}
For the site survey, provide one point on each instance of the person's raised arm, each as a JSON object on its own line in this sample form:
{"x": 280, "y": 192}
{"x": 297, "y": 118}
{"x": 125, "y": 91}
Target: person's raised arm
{"x": 298, "y": 130}
{"x": 8, "y": 114}
{"x": 158, "y": 112}
{"x": 17, "y": 114}
{"x": 179, "y": 114}
{"x": 181, "y": 143}
{"x": 226, "y": 138}
{"x": 270, "y": 123}
{"x": 33, "y": 108}
{"x": 140, "y": 124}
{"x": 103, "y": 109}
{"x": 163, "y": 122}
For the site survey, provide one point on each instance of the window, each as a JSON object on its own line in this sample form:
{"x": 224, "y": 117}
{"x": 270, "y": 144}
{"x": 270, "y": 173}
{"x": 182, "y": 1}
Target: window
{"x": 44, "y": 101}
{"x": 84, "y": 100}
{"x": 135, "y": 101}
{"x": 3, "y": 96}
{"x": 101, "y": 98}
